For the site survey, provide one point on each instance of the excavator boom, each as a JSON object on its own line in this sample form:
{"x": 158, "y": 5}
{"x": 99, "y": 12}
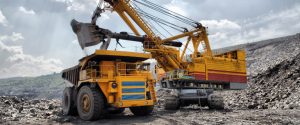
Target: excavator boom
{"x": 166, "y": 57}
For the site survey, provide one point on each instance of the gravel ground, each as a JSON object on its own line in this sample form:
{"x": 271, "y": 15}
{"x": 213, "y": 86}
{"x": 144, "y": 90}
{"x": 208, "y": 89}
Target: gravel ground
{"x": 276, "y": 88}
{"x": 198, "y": 116}
{"x": 49, "y": 112}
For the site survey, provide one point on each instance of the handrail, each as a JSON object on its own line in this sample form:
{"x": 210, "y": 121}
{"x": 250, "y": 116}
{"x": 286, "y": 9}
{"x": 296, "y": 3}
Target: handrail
{"x": 120, "y": 69}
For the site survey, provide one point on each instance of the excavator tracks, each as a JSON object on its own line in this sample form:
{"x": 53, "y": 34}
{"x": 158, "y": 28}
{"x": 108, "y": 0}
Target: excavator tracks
{"x": 215, "y": 102}
{"x": 172, "y": 103}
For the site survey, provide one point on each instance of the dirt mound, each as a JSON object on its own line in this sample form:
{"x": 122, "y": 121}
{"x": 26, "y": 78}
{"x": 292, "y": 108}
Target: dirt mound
{"x": 277, "y": 88}
{"x": 24, "y": 111}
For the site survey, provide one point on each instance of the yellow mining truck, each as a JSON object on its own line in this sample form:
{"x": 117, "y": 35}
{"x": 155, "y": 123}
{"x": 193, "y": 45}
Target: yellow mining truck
{"x": 108, "y": 82}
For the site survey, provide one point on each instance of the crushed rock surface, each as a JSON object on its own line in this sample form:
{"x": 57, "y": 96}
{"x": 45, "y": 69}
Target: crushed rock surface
{"x": 276, "y": 88}
{"x": 15, "y": 110}
{"x": 18, "y": 111}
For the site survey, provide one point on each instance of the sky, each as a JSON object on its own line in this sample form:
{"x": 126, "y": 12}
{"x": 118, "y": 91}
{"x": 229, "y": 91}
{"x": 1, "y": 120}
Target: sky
{"x": 36, "y": 37}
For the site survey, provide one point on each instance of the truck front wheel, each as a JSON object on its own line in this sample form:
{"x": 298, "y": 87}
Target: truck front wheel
{"x": 90, "y": 103}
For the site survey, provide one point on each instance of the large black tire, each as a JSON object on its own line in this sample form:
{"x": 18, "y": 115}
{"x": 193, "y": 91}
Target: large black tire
{"x": 68, "y": 103}
{"x": 215, "y": 102}
{"x": 172, "y": 103}
{"x": 90, "y": 104}
{"x": 116, "y": 111}
{"x": 141, "y": 110}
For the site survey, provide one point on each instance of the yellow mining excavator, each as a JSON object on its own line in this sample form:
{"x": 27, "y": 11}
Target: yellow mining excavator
{"x": 192, "y": 77}
{"x": 115, "y": 80}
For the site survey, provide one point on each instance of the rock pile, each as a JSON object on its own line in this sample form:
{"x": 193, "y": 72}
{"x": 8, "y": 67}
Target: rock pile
{"x": 277, "y": 88}
{"x": 266, "y": 54}
{"x": 19, "y": 110}
{"x": 161, "y": 94}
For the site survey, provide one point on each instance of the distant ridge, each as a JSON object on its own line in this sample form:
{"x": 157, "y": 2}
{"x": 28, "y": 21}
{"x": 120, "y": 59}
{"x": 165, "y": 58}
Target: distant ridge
{"x": 46, "y": 86}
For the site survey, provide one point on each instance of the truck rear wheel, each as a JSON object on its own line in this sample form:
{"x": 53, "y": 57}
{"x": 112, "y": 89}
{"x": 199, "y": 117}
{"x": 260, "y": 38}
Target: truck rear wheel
{"x": 141, "y": 110}
{"x": 172, "y": 103}
{"x": 68, "y": 103}
{"x": 90, "y": 103}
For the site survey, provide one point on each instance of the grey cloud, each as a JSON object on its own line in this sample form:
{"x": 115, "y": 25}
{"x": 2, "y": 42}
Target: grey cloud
{"x": 285, "y": 22}
{"x": 233, "y": 9}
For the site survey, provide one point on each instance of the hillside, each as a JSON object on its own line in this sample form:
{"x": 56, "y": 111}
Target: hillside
{"x": 47, "y": 86}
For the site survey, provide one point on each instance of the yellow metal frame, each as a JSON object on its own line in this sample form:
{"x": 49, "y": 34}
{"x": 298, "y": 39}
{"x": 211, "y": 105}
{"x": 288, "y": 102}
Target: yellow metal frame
{"x": 169, "y": 58}
{"x": 165, "y": 57}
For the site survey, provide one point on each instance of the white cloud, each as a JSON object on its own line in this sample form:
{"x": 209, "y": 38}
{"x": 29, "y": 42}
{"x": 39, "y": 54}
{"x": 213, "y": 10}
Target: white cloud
{"x": 75, "y": 6}
{"x": 225, "y": 32}
{"x": 75, "y": 41}
{"x": 81, "y": 5}
{"x": 10, "y": 49}
{"x": 221, "y": 24}
{"x": 15, "y": 62}
{"x": 177, "y": 6}
{"x": 24, "y": 10}
{"x": 221, "y": 31}
{"x": 13, "y": 38}
{"x": 3, "y": 19}
{"x": 63, "y": 1}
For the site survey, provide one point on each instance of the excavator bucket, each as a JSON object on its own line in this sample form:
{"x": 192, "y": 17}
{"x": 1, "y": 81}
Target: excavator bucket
{"x": 86, "y": 33}
{"x": 89, "y": 34}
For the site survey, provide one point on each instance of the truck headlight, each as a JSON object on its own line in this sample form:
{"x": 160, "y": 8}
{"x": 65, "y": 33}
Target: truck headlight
{"x": 114, "y": 85}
